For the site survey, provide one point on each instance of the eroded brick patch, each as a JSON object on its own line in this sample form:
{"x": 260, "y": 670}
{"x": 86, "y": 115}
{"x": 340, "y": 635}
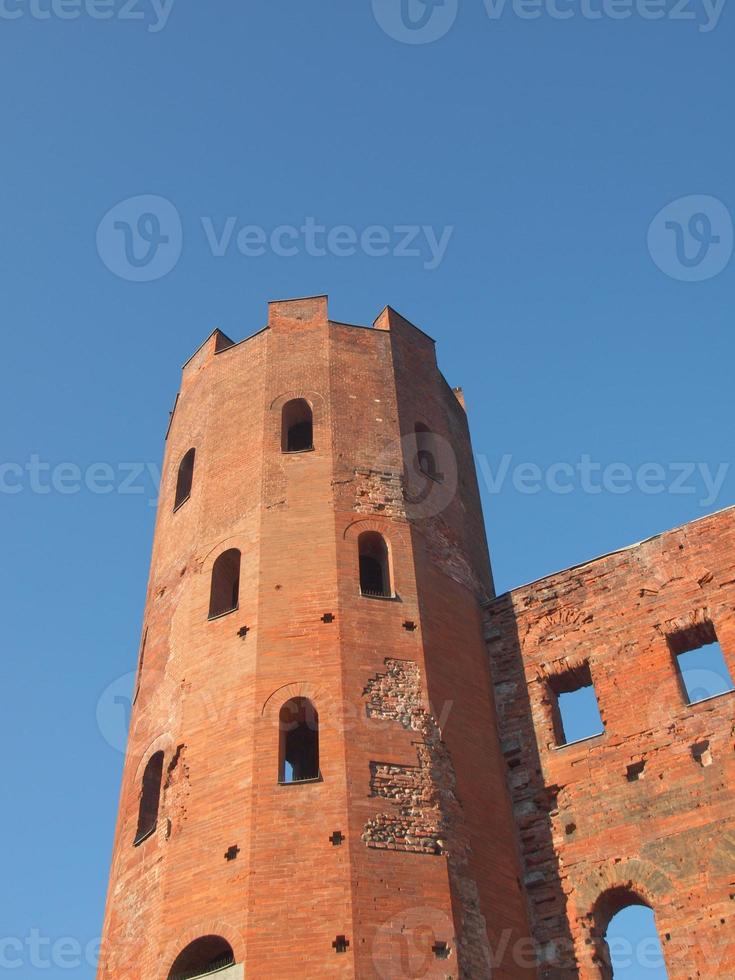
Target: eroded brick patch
{"x": 379, "y": 492}
{"x": 396, "y": 694}
{"x": 175, "y": 792}
{"x": 416, "y": 826}
{"x": 445, "y": 550}
{"x": 428, "y": 816}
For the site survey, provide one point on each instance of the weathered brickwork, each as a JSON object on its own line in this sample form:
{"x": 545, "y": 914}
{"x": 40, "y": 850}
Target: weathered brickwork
{"x": 643, "y": 812}
{"x": 447, "y": 831}
{"x": 417, "y": 822}
{"x": 395, "y": 695}
{"x": 428, "y": 817}
{"x": 379, "y": 492}
{"x": 279, "y": 870}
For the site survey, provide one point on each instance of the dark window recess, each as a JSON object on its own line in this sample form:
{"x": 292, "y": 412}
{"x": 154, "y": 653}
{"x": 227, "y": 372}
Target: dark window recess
{"x": 149, "y": 798}
{"x": 374, "y": 565}
{"x": 297, "y": 427}
{"x": 232, "y": 852}
{"x": 575, "y": 712}
{"x": 701, "y": 753}
{"x": 337, "y": 838}
{"x": 700, "y": 662}
{"x": 225, "y": 592}
{"x": 202, "y": 957}
{"x": 185, "y": 478}
{"x": 426, "y": 452}
{"x": 635, "y": 771}
{"x": 341, "y": 944}
{"x": 371, "y": 576}
{"x": 299, "y": 735}
{"x": 441, "y": 951}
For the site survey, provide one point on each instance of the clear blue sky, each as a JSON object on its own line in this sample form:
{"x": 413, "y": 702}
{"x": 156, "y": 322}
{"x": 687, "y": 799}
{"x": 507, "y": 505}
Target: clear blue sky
{"x": 548, "y": 147}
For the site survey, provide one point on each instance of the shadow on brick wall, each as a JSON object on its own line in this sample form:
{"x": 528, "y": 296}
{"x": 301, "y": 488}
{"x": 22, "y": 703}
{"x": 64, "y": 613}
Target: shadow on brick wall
{"x": 534, "y": 804}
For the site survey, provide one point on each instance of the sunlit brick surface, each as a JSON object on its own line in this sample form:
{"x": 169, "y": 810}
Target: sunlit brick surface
{"x": 648, "y": 807}
{"x": 406, "y": 847}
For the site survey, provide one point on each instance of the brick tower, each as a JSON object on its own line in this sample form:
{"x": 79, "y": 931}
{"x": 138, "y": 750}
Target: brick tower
{"x": 314, "y": 785}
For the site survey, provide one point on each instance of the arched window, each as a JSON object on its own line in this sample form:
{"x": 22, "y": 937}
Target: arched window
{"x": 149, "y": 797}
{"x": 297, "y": 427}
{"x": 299, "y": 741}
{"x": 374, "y": 565}
{"x": 425, "y": 454}
{"x": 225, "y": 592}
{"x": 185, "y": 478}
{"x": 627, "y": 937}
{"x": 202, "y": 957}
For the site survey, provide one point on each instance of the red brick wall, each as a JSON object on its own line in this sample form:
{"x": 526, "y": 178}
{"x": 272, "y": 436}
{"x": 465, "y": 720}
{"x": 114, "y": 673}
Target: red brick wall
{"x": 590, "y": 836}
{"x": 209, "y": 698}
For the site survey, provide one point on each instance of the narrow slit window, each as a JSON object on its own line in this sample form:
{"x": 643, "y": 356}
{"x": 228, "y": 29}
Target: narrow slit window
{"x": 141, "y": 661}
{"x": 700, "y": 662}
{"x": 185, "y": 478}
{"x": 375, "y": 577}
{"x": 224, "y": 596}
{"x": 297, "y": 427}
{"x": 149, "y": 798}
{"x": 299, "y": 748}
{"x": 204, "y": 956}
{"x": 426, "y": 452}
{"x": 576, "y": 714}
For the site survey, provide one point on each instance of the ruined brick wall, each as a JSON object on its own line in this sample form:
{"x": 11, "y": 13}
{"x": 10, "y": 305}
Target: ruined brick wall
{"x": 647, "y": 809}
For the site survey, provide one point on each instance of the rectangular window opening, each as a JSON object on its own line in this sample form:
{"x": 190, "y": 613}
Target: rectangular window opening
{"x": 700, "y": 662}
{"x": 576, "y": 714}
